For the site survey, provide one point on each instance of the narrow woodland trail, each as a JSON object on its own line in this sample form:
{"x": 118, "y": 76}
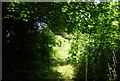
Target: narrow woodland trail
{"x": 60, "y": 58}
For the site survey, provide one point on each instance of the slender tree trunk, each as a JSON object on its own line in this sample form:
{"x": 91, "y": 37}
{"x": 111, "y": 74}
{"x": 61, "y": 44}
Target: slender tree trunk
{"x": 114, "y": 65}
{"x": 86, "y": 71}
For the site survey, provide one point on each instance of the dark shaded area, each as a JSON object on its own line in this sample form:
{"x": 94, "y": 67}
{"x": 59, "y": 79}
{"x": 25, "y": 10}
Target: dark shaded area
{"x": 25, "y": 48}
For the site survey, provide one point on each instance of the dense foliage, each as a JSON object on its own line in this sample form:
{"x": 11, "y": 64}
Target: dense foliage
{"x": 41, "y": 38}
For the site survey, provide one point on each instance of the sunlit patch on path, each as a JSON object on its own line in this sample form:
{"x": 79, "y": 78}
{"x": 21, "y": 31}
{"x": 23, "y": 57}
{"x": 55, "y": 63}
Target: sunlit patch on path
{"x": 67, "y": 71}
